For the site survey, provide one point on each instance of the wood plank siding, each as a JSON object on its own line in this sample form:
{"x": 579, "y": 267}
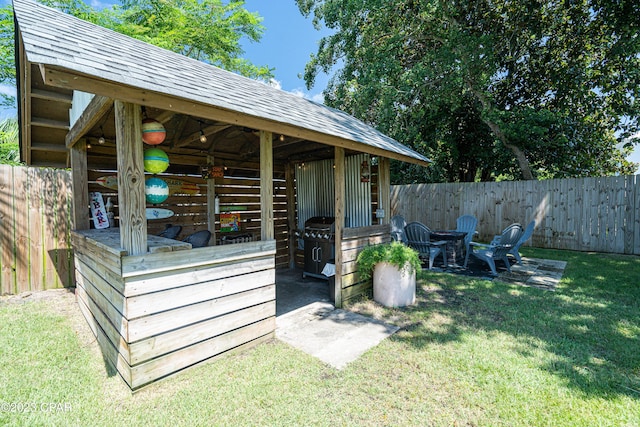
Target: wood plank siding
{"x": 56, "y": 204}
{"x": 158, "y": 313}
{"x": 354, "y": 240}
{"x": 236, "y": 193}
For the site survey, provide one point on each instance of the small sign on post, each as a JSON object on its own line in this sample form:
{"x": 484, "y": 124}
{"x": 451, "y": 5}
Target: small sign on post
{"x": 98, "y": 212}
{"x": 210, "y": 172}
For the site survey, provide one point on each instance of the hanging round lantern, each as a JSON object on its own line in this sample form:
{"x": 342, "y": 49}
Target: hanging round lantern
{"x": 153, "y": 133}
{"x": 155, "y": 160}
{"x": 155, "y": 190}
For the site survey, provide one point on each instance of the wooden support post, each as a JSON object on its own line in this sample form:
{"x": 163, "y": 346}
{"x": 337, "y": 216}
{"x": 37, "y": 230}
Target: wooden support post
{"x": 211, "y": 204}
{"x": 80, "y": 185}
{"x": 131, "y": 198}
{"x": 384, "y": 189}
{"x": 339, "y": 183}
{"x": 23, "y": 78}
{"x": 266, "y": 185}
{"x": 290, "y": 181}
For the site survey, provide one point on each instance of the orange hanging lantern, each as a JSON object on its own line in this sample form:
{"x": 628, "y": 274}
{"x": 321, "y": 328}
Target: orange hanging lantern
{"x": 153, "y": 133}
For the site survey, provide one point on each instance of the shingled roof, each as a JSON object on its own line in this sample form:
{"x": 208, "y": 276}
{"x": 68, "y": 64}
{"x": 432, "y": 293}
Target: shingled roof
{"x": 62, "y": 42}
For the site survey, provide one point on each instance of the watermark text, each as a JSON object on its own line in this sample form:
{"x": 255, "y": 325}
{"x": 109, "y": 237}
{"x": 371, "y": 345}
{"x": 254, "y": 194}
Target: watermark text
{"x": 23, "y": 407}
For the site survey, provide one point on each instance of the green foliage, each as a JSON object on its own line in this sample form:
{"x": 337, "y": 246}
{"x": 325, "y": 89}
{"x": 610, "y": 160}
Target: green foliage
{"x": 206, "y": 30}
{"x": 7, "y": 57}
{"x": 9, "y": 148}
{"x": 544, "y": 89}
{"x": 394, "y": 253}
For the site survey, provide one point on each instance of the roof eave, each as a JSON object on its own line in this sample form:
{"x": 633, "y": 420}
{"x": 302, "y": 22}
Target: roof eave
{"x": 60, "y": 77}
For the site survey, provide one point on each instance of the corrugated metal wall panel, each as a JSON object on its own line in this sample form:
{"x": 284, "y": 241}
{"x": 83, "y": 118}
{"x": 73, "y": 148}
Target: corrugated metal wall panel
{"x": 358, "y": 193}
{"x": 315, "y": 186}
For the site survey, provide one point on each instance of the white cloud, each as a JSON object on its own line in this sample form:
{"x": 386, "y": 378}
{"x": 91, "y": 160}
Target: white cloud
{"x": 298, "y": 92}
{"x": 315, "y": 97}
{"x": 318, "y": 97}
{"x": 275, "y": 83}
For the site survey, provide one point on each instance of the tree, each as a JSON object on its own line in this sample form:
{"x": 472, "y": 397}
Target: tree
{"x": 540, "y": 88}
{"x": 206, "y": 30}
{"x": 9, "y": 149}
{"x": 7, "y": 57}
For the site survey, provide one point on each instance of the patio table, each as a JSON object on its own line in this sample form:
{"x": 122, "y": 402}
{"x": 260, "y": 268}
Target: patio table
{"x": 455, "y": 244}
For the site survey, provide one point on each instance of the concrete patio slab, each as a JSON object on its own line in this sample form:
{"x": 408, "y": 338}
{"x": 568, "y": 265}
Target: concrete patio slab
{"x": 336, "y": 337}
{"x": 535, "y": 272}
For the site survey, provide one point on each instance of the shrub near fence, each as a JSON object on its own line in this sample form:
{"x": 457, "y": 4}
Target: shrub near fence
{"x": 582, "y": 214}
{"x": 35, "y": 224}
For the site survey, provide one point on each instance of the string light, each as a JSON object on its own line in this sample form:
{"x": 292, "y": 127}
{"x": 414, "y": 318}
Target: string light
{"x": 101, "y": 140}
{"x": 203, "y": 137}
{"x": 281, "y": 138}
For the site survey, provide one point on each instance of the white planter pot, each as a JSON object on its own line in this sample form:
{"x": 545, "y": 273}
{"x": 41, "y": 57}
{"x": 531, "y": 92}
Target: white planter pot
{"x": 393, "y": 287}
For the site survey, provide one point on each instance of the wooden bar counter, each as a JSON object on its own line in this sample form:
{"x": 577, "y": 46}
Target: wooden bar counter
{"x": 157, "y": 313}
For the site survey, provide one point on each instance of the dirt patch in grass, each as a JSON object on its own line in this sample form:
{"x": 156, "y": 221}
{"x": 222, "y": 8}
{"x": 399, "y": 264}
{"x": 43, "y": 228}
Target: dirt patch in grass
{"x": 59, "y": 295}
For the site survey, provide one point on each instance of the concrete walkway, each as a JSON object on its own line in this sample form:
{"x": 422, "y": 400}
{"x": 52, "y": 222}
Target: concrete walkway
{"x": 334, "y": 336}
{"x": 308, "y": 321}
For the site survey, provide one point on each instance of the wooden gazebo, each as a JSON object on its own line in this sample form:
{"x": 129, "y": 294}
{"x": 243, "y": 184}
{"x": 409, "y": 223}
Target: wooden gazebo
{"x": 158, "y": 305}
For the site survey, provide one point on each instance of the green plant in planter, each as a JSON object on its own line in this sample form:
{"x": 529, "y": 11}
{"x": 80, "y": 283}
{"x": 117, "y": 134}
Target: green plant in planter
{"x": 394, "y": 253}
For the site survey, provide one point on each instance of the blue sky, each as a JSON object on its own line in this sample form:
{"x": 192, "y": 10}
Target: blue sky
{"x": 286, "y": 45}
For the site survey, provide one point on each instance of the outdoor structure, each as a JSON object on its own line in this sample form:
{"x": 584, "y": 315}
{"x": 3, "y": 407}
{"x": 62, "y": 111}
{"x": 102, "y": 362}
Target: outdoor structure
{"x": 248, "y": 162}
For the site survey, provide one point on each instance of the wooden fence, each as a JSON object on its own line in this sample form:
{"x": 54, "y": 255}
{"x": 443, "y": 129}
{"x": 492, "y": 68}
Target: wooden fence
{"x": 35, "y": 215}
{"x": 590, "y": 214}
{"x": 582, "y": 214}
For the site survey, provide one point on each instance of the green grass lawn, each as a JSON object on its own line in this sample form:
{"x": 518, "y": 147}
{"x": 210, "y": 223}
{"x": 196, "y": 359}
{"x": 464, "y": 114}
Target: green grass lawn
{"x": 469, "y": 353}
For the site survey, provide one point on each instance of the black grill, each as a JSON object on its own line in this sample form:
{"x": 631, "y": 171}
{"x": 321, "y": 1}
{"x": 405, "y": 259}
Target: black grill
{"x": 319, "y": 245}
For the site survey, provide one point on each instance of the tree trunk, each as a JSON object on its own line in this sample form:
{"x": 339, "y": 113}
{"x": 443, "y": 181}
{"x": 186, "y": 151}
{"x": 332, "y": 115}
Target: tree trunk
{"x": 525, "y": 168}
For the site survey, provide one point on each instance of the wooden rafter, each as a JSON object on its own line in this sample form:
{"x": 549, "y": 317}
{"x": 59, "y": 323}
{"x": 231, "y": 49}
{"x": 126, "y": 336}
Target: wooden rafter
{"x": 51, "y": 96}
{"x": 91, "y": 116}
{"x": 195, "y": 136}
{"x": 175, "y": 134}
{"x": 288, "y": 141}
{"x": 165, "y": 117}
{"x": 49, "y": 123}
